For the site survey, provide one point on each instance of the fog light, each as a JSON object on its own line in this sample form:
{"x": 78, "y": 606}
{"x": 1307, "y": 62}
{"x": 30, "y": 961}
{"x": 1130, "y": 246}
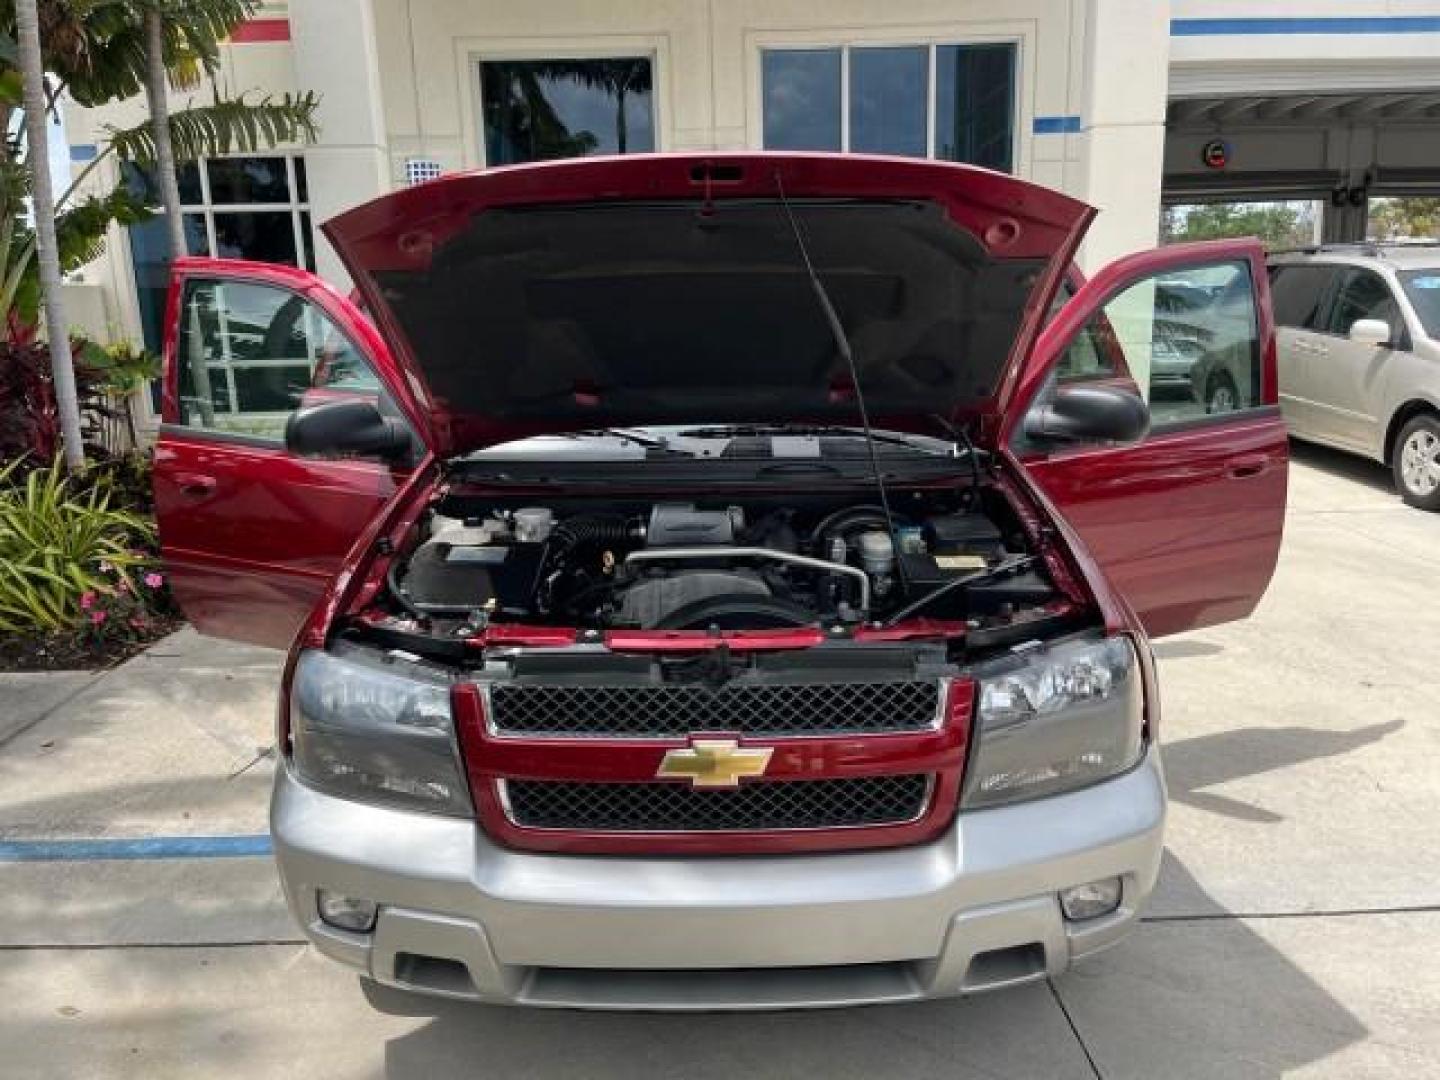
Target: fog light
{"x": 346, "y": 912}
{"x": 1091, "y": 900}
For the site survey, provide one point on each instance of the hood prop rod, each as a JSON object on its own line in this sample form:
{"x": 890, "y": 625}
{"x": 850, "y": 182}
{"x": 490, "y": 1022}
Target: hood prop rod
{"x": 842, "y": 345}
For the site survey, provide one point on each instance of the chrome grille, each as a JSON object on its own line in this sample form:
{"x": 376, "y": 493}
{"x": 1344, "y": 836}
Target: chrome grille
{"x": 756, "y": 708}
{"x": 667, "y": 807}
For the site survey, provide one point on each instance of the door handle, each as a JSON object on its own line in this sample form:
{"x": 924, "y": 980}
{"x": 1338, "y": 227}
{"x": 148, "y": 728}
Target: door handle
{"x": 1246, "y": 467}
{"x": 195, "y": 484}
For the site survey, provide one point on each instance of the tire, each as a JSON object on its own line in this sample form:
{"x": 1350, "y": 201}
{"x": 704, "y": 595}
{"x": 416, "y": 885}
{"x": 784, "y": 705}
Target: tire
{"x": 1220, "y": 394}
{"x": 1416, "y": 462}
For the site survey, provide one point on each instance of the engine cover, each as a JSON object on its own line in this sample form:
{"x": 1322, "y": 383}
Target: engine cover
{"x": 649, "y": 601}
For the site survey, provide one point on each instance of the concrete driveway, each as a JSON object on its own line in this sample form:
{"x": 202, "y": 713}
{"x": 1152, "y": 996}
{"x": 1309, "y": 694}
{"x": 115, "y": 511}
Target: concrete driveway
{"x": 1294, "y": 932}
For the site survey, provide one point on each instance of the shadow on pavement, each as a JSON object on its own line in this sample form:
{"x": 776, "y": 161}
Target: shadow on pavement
{"x": 1343, "y": 465}
{"x": 1204, "y": 761}
{"x": 1209, "y": 997}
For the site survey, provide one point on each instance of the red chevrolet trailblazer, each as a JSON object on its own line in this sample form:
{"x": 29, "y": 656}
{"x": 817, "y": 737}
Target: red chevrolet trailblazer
{"x": 718, "y": 581}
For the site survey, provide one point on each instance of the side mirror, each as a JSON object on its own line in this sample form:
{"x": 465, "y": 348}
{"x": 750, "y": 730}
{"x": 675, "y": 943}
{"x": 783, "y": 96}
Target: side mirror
{"x": 1089, "y": 412}
{"x": 346, "y": 429}
{"x": 1374, "y": 333}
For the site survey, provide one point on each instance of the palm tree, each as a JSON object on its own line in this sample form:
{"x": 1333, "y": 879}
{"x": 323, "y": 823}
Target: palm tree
{"x": 32, "y": 70}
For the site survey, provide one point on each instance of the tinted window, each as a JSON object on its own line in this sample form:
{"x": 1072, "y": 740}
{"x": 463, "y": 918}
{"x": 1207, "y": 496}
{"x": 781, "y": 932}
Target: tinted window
{"x": 887, "y": 101}
{"x": 801, "y": 99}
{"x": 975, "y": 104}
{"x": 248, "y": 354}
{"x": 536, "y": 110}
{"x": 966, "y": 93}
{"x": 1296, "y": 292}
{"x": 1363, "y": 295}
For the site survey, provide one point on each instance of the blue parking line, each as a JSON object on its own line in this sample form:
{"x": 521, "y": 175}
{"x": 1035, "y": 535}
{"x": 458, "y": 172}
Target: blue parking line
{"x": 145, "y": 847}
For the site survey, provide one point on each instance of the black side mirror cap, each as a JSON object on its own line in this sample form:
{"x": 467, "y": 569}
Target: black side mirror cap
{"x": 1089, "y": 412}
{"x": 346, "y": 429}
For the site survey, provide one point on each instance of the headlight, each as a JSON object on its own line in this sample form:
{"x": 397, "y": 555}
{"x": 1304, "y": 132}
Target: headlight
{"x": 364, "y": 730}
{"x": 1055, "y": 719}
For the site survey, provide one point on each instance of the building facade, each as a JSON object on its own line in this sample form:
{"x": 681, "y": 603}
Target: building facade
{"x": 1126, "y": 104}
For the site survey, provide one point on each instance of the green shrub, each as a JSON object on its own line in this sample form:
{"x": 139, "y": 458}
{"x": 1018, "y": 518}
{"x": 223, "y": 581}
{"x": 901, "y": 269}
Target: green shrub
{"x": 64, "y": 552}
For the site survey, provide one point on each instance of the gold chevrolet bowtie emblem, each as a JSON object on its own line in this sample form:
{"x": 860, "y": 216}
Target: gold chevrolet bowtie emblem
{"x": 715, "y": 762}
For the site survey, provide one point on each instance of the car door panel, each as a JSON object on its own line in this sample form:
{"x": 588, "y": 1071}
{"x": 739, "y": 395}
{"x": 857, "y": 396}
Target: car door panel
{"x": 251, "y": 534}
{"x": 1350, "y": 375}
{"x": 1186, "y": 524}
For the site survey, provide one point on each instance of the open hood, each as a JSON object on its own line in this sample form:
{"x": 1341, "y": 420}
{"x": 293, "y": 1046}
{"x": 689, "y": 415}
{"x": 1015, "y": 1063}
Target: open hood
{"x": 669, "y": 289}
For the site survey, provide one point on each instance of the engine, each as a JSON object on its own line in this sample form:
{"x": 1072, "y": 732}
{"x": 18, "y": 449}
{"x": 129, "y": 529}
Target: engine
{"x": 686, "y": 566}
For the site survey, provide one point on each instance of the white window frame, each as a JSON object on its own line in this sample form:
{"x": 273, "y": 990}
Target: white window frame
{"x": 472, "y": 52}
{"x": 1017, "y": 34}
{"x": 149, "y": 418}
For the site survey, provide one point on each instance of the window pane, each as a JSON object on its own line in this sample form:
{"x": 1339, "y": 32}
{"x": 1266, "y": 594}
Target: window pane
{"x": 246, "y": 354}
{"x": 1423, "y": 288}
{"x": 1296, "y": 292}
{"x": 140, "y": 180}
{"x": 887, "y": 100}
{"x": 302, "y": 182}
{"x": 535, "y": 110}
{"x": 248, "y": 180}
{"x": 801, "y": 90}
{"x": 307, "y": 237}
{"x": 1364, "y": 295}
{"x": 264, "y": 235}
{"x": 1190, "y": 336}
{"x": 975, "y": 104}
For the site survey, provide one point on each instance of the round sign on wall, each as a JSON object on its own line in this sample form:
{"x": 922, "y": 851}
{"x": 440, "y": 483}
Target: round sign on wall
{"x": 1215, "y": 154}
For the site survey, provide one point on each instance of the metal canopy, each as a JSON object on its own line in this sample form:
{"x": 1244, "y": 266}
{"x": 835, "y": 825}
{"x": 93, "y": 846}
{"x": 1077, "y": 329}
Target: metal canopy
{"x": 1303, "y": 108}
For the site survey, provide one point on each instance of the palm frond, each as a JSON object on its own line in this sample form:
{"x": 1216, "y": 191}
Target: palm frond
{"x": 227, "y": 126}
{"x": 80, "y": 231}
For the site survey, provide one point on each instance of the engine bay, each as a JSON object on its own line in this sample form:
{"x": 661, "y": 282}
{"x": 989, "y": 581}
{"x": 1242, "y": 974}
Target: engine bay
{"x": 716, "y": 564}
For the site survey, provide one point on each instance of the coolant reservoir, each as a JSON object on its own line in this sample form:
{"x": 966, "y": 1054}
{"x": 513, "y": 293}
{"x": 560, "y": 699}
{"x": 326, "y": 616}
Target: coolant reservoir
{"x": 533, "y": 524}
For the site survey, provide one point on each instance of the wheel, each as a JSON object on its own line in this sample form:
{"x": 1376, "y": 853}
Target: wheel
{"x": 1220, "y": 395}
{"x": 1417, "y": 462}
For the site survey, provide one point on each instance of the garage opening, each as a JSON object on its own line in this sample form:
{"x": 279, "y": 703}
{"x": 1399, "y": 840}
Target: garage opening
{"x": 1298, "y": 169}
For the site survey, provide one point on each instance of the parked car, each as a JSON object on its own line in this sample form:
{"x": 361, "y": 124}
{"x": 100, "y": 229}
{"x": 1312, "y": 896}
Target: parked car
{"x": 736, "y": 595}
{"x": 1359, "y": 350}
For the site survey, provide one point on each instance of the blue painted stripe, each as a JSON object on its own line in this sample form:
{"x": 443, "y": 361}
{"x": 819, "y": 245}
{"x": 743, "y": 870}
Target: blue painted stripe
{"x": 84, "y": 152}
{"x": 1056, "y": 125}
{"x": 1379, "y": 24}
{"x": 147, "y": 847}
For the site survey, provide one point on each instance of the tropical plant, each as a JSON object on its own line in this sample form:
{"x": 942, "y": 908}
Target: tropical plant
{"x": 63, "y": 550}
{"x": 29, "y": 411}
{"x": 99, "y": 51}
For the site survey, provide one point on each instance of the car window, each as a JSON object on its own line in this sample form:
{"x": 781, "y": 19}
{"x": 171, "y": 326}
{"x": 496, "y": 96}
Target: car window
{"x": 1090, "y": 355}
{"x": 1190, "y": 338}
{"x": 250, "y": 354}
{"x": 1363, "y": 295}
{"x": 1423, "y": 288}
{"x": 1297, "y": 291}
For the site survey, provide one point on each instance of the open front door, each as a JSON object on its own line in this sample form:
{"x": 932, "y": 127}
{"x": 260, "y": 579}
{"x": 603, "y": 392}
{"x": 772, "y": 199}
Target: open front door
{"x": 1186, "y": 523}
{"x": 251, "y": 534}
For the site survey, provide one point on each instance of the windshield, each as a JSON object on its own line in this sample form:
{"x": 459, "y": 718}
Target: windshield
{"x": 1423, "y": 289}
{"x": 730, "y": 442}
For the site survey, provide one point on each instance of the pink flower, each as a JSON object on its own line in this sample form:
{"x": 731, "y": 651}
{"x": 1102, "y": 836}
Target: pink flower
{"x": 106, "y": 568}
{"x": 97, "y": 617}
{"x": 123, "y": 585}
{"x": 87, "y": 599}
{"x": 137, "y": 623}
{"x": 154, "y": 580}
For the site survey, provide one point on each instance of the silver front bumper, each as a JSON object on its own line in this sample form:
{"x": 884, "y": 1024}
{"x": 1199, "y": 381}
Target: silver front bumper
{"x": 974, "y": 910}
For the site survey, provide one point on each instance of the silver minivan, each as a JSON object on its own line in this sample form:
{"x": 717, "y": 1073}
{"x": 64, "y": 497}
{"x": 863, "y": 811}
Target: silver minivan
{"x": 1359, "y": 355}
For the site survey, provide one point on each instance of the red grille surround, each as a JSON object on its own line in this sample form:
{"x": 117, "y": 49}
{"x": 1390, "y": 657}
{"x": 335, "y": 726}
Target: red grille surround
{"x": 939, "y": 752}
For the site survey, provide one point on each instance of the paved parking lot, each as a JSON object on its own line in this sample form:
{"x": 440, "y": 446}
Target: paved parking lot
{"x": 1292, "y": 935}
